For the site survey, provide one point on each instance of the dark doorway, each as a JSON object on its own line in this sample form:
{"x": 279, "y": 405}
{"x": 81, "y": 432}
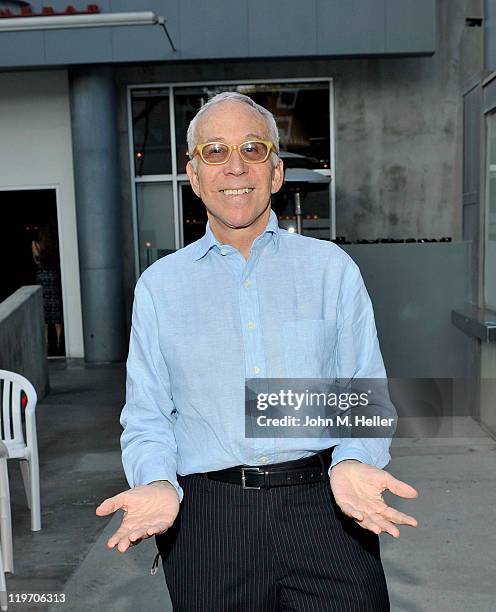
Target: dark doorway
{"x": 24, "y": 214}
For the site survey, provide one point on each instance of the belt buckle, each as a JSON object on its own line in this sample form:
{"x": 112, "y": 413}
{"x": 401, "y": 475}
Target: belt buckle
{"x": 243, "y": 477}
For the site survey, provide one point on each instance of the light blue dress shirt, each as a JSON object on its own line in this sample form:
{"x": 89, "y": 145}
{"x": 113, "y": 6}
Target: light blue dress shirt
{"x": 205, "y": 319}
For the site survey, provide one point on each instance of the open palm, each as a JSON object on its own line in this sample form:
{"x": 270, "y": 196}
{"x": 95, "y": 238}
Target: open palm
{"x": 148, "y": 510}
{"x": 357, "y": 489}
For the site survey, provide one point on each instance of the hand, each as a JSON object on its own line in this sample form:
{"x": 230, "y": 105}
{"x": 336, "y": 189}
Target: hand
{"x": 148, "y": 510}
{"x": 357, "y": 489}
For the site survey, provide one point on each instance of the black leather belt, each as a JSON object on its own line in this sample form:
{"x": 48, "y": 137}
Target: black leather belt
{"x": 301, "y": 471}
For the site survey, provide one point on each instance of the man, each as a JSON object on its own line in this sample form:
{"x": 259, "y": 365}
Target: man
{"x": 250, "y": 300}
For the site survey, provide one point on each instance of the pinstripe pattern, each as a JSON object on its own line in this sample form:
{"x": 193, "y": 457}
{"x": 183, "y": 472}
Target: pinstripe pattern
{"x": 286, "y": 548}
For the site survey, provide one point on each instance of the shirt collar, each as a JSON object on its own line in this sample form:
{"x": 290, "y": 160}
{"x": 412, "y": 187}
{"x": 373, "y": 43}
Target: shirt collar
{"x": 208, "y": 240}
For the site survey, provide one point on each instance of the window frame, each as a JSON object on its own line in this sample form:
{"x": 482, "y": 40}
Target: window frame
{"x": 176, "y": 178}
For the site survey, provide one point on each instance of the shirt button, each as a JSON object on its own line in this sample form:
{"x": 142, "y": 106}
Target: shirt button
{"x": 263, "y": 460}
{"x": 223, "y": 252}
{"x": 247, "y": 284}
{"x": 251, "y": 325}
{"x": 256, "y": 370}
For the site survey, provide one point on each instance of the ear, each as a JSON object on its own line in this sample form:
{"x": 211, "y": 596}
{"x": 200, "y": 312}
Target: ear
{"x": 193, "y": 178}
{"x": 277, "y": 177}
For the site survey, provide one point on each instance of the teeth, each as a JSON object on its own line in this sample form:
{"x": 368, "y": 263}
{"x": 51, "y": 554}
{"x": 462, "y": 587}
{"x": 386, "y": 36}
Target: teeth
{"x": 236, "y": 191}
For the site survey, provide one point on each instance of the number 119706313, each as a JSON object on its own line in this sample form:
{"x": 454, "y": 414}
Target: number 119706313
{"x": 40, "y": 597}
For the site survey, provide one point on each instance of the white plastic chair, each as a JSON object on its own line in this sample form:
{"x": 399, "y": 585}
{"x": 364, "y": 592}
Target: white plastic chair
{"x": 5, "y": 523}
{"x": 26, "y": 451}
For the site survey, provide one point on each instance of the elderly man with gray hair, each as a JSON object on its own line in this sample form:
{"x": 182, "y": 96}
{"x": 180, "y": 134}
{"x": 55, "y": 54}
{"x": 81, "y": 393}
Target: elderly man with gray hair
{"x": 250, "y": 524}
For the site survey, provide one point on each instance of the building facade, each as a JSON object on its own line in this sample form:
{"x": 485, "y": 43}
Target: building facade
{"x": 367, "y": 96}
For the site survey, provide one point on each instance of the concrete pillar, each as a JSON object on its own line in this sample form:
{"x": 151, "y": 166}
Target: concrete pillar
{"x": 94, "y": 135}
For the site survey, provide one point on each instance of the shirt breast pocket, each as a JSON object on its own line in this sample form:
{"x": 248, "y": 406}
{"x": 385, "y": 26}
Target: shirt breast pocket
{"x": 310, "y": 347}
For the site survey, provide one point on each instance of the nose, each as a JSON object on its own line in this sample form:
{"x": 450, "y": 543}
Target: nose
{"x": 236, "y": 164}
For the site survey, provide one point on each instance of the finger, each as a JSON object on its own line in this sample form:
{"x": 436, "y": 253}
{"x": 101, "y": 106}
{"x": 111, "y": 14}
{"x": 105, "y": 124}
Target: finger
{"x": 387, "y": 527}
{"x": 113, "y": 540}
{"x": 136, "y": 536}
{"x": 351, "y": 511}
{"x": 106, "y": 507}
{"x": 120, "y": 534}
{"x": 110, "y": 505}
{"x": 123, "y": 545}
{"x": 400, "y": 518}
{"x": 400, "y": 488}
{"x": 369, "y": 524}
{"x": 125, "y": 542}
{"x": 157, "y": 529}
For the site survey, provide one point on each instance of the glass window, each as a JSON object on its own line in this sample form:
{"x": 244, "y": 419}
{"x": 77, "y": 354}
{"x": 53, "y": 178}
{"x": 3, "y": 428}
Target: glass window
{"x": 302, "y": 116}
{"x": 490, "y": 242}
{"x": 156, "y": 234}
{"x": 151, "y": 132}
{"x": 314, "y": 212}
{"x": 314, "y": 209}
{"x": 187, "y": 101}
{"x": 301, "y": 111}
{"x": 194, "y": 214}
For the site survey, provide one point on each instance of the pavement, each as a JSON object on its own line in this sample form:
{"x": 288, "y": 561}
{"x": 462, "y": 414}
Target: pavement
{"x": 446, "y": 564}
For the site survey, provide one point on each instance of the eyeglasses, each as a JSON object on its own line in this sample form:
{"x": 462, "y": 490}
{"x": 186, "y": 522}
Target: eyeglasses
{"x": 252, "y": 151}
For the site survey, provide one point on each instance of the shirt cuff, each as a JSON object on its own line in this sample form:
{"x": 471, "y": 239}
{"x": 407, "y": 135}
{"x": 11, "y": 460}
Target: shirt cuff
{"x": 150, "y": 471}
{"x": 174, "y": 483}
{"x": 348, "y": 452}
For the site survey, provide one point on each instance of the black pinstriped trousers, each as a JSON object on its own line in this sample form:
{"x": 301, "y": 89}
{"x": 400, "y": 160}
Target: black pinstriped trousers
{"x": 285, "y": 548}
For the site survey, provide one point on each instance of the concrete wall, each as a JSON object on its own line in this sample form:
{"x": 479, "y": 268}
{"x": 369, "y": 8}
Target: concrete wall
{"x": 398, "y": 130}
{"x": 414, "y": 288}
{"x": 22, "y": 337}
{"x": 399, "y": 137}
{"x": 488, "y": 386}
{"x": 36, "y": 153}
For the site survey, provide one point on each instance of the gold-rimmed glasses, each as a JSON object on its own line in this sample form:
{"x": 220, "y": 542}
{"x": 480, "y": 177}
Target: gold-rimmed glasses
{"x": 251, "y": 151}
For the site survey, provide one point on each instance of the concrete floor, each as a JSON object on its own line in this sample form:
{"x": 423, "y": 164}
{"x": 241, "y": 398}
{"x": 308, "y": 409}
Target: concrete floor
{"x": 446, "y": 564}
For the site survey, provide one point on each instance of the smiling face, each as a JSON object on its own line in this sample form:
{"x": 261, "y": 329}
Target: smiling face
{"x": 236, "y": 194}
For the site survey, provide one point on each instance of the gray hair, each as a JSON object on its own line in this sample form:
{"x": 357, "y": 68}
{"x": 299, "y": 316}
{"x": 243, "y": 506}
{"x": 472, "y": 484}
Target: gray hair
{"x": 235, "y": 97}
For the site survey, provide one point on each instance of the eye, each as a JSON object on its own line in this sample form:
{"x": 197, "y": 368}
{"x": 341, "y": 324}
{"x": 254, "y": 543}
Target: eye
{"x": 215, "y": 153}
{"x": 215, "y": 148}
{"x": 251, "y": 147}
{"x": 254, "y": 150}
